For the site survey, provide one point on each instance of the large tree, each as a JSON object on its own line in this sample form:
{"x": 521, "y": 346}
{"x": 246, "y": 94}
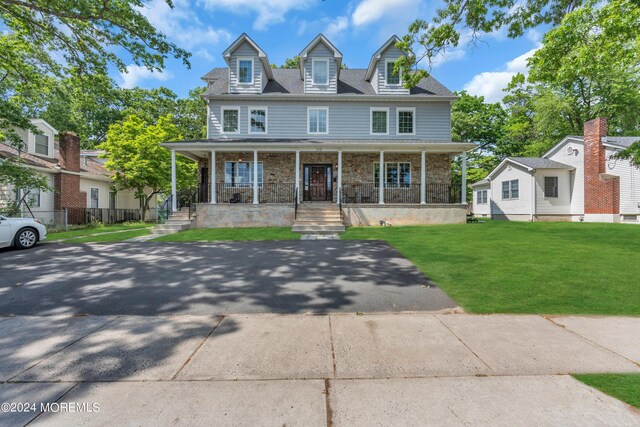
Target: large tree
{"x": 22, "y": 180}
{"x": 139, "y": 162}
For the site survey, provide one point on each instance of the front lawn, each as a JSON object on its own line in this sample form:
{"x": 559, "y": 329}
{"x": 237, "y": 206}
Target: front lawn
{"x": 110, "y": 237}
{"x": 521, "y": 267}
{"x": 86, "y": 231}
{"x": 215, "y": 234}
{"x": 625, "y": 387}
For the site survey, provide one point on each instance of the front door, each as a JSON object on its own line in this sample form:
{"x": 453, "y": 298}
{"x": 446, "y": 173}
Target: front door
{"x": 317, "y": 183}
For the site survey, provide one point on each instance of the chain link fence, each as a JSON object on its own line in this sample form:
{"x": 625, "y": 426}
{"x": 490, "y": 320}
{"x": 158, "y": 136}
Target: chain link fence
{"x": 64, "y": 219}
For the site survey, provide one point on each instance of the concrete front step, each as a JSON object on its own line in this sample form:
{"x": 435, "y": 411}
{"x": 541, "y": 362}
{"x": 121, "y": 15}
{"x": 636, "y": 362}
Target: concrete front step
{"x": 318, "y": 229}
{"x": 169, "y": 228}
{"x": 316, "y": 222}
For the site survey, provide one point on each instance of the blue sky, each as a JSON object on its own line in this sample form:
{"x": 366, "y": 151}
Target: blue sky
{"x": 357, "y": 27}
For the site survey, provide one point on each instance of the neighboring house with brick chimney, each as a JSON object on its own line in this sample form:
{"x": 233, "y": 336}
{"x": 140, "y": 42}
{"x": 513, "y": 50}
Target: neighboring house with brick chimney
{"x": 78, "y": 178}
{"x": 577, "y": 180}
{"x": 319, "y": 135}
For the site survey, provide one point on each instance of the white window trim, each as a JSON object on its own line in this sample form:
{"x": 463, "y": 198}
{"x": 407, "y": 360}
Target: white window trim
{"x": 386, "y": 72}
{"x": 385, "y": 173}
{"x": 309, "y": 124}
{"x": 510, "y": 189}
{"x": 313, "y": 74}
{"x": 398, "y": 111}
{"x": 222, "y": 110}
{"x": 91, "y": 191}
{"x": 266, "y": 120}
{"x": 484, "y": 195}
{"x": 544, "y": 186}
{"x": 371, "y": 110}
{"x": 253, "y": 69}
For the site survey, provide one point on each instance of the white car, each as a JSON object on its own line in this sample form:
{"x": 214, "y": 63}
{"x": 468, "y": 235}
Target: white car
{"x": 23, "y": 233}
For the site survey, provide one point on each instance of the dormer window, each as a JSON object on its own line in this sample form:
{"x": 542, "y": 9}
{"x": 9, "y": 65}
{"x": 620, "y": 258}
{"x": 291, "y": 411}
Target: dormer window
{"x": 393, "y": 79}
{"x": 42, "y": 144}
{"x": 245, "y": 70}
{"x": 320, "y": 71}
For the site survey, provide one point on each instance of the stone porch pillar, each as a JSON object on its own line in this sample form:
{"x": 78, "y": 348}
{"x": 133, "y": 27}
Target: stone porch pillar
{"x": 255, "y": 178}
{"x": 174, "y": 191}
{"x": 339, "y": 176}
{"x": 381, "y": 179}
{"x": 213, "y": 197}
{"x": 423, "y": 179}
{"x": 297, "y": 186}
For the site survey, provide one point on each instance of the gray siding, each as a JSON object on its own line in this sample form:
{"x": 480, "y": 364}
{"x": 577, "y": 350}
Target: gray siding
{"x": 347, "y": 120}
{"x": 320, "y": 51}
{"x": 259, "y": 79}
{"x": 392, "y": 53}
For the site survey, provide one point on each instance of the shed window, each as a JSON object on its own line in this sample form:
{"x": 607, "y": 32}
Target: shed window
{"x": 481, "y": 197}
{"x": 510, "y": 189}
{"x": 550, "y": 186}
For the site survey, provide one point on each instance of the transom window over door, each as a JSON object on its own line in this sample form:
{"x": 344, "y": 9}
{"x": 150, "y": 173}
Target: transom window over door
{"x": 240, "y": 174}
{"x": 391, "y": 77}
{"x": 42, "y": 144}
{"x": 245, "y": 70}
{"x": 396, "y": 174}
{"x": 380, "y": 121}
{"x": 230, "y": 120}
{"x": 318, "y": 120}
{"x": 550, "y": 186}
{"x": 320, "y": 71}
{"x": 257, "y": 120}
{"x": 406, "y": 121}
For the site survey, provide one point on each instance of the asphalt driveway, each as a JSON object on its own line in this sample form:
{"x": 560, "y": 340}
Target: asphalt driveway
{"x": 213, "y": 278}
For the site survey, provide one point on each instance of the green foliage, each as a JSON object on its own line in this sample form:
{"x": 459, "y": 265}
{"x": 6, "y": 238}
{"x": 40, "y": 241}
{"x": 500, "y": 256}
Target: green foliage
{"x": 632, "y": 154}
{"x": 625, "y": 387}
{"x": 22, "y": 180}
{"x": 139, "y": 162}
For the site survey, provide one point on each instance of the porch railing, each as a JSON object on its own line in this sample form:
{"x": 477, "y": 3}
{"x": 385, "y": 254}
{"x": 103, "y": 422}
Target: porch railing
{"x": 369, "y": 192}
{"x": 276, "y": 192}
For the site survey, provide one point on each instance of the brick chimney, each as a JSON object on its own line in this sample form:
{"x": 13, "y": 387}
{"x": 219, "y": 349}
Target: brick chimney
{"x": 601, "y": 190}
{"x": 67, "y": 185}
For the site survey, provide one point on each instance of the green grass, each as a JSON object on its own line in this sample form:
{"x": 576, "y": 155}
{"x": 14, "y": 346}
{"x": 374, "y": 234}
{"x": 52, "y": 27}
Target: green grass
{"x": 215, "y": 234}
{"x": 115, "y": 237}
{"x": 86, "y": 231}
{"x": 625, "y": 387}
{"x": 521, "y": 267}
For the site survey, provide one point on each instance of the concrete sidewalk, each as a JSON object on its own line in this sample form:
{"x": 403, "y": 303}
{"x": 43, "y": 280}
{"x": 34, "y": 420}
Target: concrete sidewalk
{"x": 342, "y": 369}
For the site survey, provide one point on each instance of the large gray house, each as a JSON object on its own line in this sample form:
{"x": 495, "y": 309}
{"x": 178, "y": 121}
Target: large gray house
{"x": 283, "y": 142}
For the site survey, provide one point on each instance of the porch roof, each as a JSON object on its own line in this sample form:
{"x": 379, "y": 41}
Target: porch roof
{"x": 198, "y": 149}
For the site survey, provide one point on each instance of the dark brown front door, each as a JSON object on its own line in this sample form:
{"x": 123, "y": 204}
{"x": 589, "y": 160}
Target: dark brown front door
{"x": 317, "y": 183}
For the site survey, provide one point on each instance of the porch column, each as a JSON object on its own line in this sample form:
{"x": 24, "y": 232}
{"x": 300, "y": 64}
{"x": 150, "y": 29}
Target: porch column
{"x": 174, "y": 195}
{"x": 255, "y": 177}
{"x": 339, "y": 175}
{"x": 463, "y": 196}
{"x": 423, "y": 179}
{"x": 297, "y": 186}
{"x": 213, "y": 200}
{"x": 381, "y": 179}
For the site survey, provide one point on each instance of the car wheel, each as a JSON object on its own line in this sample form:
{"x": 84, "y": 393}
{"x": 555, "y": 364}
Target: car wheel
{"x": 26, "y": 238}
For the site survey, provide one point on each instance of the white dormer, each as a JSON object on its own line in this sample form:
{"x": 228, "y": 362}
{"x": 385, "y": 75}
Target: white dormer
{"x": 320, "y": 64}
{"x": 380, "y": 71}
{"x": 40, "y": 144}
{"x": 249, "y": 68}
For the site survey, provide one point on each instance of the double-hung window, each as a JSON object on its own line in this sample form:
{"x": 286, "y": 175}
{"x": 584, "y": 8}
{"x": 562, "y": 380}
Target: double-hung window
{"x": 34, "y": 198}
{"x": 396, "y": 174}
{"x": 550, "y": 186}
{"x": 379, "y": 121}
{"x": 406, "y": 121}
{"x": 320, "y": 71}
{"x": 393, "y": 79}
{"x": 41, "y": 144}
{"x": 318, "y": 120}
{"x": 481, "y": 197}
{"x": 230, "y": 120}
{"x": 510, "y": 189}
{"x": 240, "y": 174}
{"x": 257, "y": 119}
{"x": 245, "y": 70}
{"x": 94, "y": 197}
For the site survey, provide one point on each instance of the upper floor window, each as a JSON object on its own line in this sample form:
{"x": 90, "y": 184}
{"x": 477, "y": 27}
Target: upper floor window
{"x": 482, "y": 197}
{"x": 231, "y": 120}
{"x": 550, "y": 186}
{"x": 257, "y": 119}
{"x": 42, "y": 144}
{"x": 318, "y": 120}
{"x": 406, "y": 121}
{"x": 245, "y": 70}
{"x": 379, "y": 121}
{"x": 391, "y": 77}
{"x": 320, "y": 71}
{"x": 510, "y": 189}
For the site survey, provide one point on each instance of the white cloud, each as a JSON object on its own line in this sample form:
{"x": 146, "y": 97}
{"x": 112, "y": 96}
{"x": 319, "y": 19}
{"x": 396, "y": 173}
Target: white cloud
{"x": 268, "y": 12}
{"x": 336, "y": 26}
{"x": 490, "y": 84}
{"x": 369, "y": 11}
{"x": 136, "y": 73}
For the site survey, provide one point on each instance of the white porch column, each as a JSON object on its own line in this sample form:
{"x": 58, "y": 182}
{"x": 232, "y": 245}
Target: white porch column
{"x": 213, "y": 200}
{"x": 381, "y": 179}
{"x": 297, "y": 186}
{"x": 423, "y": 179}
{"x": 339, "y": 175}
{"x": 255, "y": 177}
{"x": 464, "y": 178}
{"x": 174, "y": 191}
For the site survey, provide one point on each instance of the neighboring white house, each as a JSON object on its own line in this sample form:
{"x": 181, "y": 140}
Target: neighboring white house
{"x": 574, "y": 181}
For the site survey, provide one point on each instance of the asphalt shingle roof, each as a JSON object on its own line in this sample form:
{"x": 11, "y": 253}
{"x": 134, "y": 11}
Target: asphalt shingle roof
{"x": 623, "y": 141}
{"x": 351, "y": 82}
{"x": 540, "y": 163}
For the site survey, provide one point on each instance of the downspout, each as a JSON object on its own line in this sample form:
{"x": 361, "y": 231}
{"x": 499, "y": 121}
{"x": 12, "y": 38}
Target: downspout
{"x": 533, "y": 195}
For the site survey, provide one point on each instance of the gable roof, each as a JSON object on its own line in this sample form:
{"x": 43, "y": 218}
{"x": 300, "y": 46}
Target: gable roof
{"x": 351, "y": 81}
{"x": 45, "y": 123}
{"x": 480, "y": 183}
{"x": 530, "y": 164}
{"x": 262, "y": 55}
{"x": 620, "y": 141}
{"x": 320, "y": 38}
{"x": 378, "y": 54}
